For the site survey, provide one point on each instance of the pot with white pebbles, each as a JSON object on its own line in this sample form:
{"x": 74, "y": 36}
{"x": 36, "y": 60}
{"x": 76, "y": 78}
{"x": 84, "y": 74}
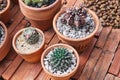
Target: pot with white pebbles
{"x": 76, "y": 26}
{"x": 60, "y": 61}
{"x": 29, "y": 44}
{"x": 4, "y": 41}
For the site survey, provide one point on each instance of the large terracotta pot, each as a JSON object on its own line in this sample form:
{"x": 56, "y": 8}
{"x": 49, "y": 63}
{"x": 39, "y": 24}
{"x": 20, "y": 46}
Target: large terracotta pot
{"x": 79, "y": 44}
{"x": 33, "y": 56}
{"x": 5, "y": 14}
{"x": 62, "y": 77}
{"x": 41, "y": 17}
{"x": 6, "y": 44}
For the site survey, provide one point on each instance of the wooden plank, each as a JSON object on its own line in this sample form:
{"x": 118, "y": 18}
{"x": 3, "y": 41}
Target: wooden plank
{"x": 12, "y": 68}
{"x": 90, "y": 64}
{"x": 16, "y": 20}
{"x": 54, "y": 40}
{"x": 84, "y": 57}
{"x": 27, "y": 71}
{"x": 49, "y": 35}
{"x": 103, "y": 36}
{"x": 11, "y": 55}
{"x": 112, "y": 41}
{"x": 3, "y": 66}
{"x": 115, "y": 67}
{"x": 102, "y": 66}
{"x": 43, "y": 76}
{"x": 14, "y": 10}
{"x": 109, "y": 77}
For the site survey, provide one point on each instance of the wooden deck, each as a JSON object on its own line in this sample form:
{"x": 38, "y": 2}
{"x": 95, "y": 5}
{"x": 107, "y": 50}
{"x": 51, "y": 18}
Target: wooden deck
{"x": 100, "y": 61}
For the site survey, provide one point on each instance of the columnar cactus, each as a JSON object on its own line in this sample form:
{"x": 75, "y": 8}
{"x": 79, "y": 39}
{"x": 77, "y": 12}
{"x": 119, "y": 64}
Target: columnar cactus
{"x": 38, "y": 3}
{"x": 75, "y": 16}
{"x": 31, "y": 35}
{"x": 61, "y": 59}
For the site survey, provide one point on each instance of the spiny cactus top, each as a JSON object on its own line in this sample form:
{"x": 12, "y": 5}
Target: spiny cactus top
{"x": 38, "y": 3}
{"x": 31, "y": 35}
{"x": 75, "y": 16}
{"x": 61, "y": 59}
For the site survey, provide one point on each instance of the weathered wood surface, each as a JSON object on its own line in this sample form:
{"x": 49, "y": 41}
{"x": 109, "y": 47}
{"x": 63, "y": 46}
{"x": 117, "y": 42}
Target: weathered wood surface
{"x": 100, "y": 61}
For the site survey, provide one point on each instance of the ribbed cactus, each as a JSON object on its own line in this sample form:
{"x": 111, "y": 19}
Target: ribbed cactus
{"x": 31, "y": 35}
{"x": 61, "y": 59}
{"x": 38, "y": 3}
{"x": 75, "y": 16}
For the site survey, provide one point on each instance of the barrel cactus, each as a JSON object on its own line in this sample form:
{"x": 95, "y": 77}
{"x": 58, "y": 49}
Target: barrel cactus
{"x": 61, "y": 59}
{"x": 75, "y": 16}
{"x": 38, "y": 3}
{"x": 31, "y": 35}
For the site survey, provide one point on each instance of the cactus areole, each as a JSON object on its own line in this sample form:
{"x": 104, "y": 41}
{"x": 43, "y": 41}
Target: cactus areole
{"x": 31, "y": 35}
{"x": 38, "y": 3}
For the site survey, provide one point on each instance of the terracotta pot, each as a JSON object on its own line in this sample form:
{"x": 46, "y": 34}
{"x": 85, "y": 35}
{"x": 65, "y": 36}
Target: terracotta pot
{"x": 81, "y": 43}
{"x": 5, "y": 14}
{"x": 6, "y": 44}
{"x": 39, "y": 17}
{"x": 62, "y": 77}
{"x": 33, "y": 56}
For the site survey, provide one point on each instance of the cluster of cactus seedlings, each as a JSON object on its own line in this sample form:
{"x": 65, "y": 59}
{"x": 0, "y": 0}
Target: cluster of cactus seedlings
{"x": 61, "y": 59}
{"x": 31, "y": 35}
{"x": 75, "y": 16}
{"x": 38, "y": 3}
{"x": 3, "y": 4}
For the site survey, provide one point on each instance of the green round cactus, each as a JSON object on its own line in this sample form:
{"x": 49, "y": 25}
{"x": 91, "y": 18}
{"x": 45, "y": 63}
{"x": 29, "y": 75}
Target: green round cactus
{"x": 61, "y": 59}
{"x": 31, "y": 35}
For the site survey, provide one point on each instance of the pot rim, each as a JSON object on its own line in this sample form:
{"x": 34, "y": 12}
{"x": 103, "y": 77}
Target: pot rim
{"x": 5, "y": 32}
{"x": 32, "y": 52}
{"x": 97, "y": 24}
{"x": 7, "y": 7}
{"x": 64, "y": 45}
{"x": 44, "y": 8}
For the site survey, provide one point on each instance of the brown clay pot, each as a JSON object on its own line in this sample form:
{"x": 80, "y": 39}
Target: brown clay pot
{"x": 56, "y": 77}
{"x": 79, "y": 44}
{"x": 33, "y": 56}
{"x": 6, "y": 44}
{"x": 40, "y": 17}
{"x": 5, "y": 14}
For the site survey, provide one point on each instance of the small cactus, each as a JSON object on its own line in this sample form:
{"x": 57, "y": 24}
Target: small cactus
{"x": 38, "y": 3}
{"x": 61, "y": 59}
{"x": 31, "y": 35}
{"x": 75, "y": 16}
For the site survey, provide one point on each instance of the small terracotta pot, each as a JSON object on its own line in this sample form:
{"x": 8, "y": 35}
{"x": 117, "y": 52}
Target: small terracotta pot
{"x": 6, "y": 44}
{"x": 39, "y": 17}
{"x": 5, "y": 14}
{"x": 62, "y": 77}
{"x": 81, "y": 43}
{"x": 33, "y": 56}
